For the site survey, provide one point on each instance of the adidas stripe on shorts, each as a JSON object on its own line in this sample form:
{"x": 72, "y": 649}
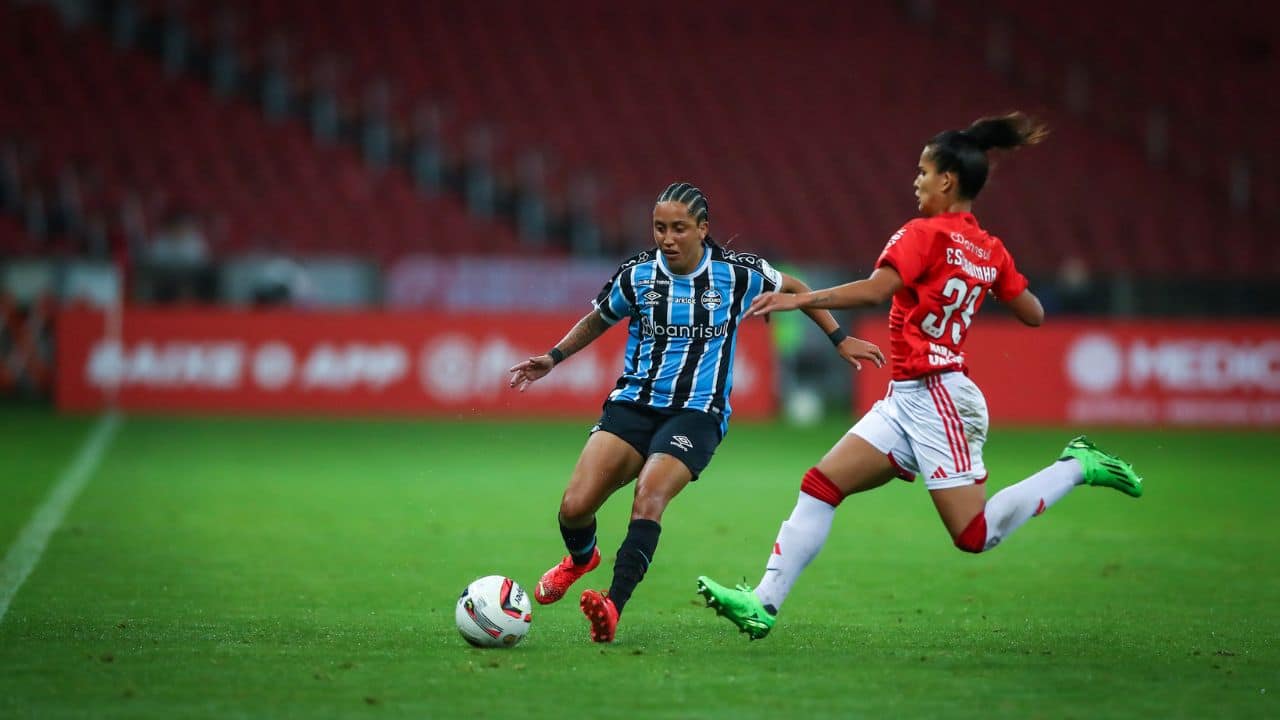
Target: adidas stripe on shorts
{"x": 934, "y": 426}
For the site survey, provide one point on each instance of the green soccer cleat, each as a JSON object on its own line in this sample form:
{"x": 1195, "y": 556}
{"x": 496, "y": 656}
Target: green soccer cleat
{"x": 740, "y": 605}
{"x": 1103, "y": 468}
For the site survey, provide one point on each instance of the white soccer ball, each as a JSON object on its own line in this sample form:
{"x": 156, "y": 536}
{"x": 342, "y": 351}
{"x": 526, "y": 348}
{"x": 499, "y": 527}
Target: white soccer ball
{"x": 494, "y": 611}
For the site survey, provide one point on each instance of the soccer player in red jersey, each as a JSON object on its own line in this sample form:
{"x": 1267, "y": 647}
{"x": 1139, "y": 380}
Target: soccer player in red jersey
{"x": 937, "y": 270}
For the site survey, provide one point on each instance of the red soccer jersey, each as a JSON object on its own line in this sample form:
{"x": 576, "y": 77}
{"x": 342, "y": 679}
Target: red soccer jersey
{"x": 947, "y": 263}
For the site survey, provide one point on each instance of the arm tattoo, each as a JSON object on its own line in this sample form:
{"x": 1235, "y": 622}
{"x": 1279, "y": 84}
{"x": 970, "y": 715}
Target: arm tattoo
{"x": 590, "y": 327}
{"x": 819, "y": 297}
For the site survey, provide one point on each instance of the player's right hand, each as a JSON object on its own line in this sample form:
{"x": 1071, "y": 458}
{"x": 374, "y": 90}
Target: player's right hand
{"x": 766, "y": 303}
{"x": 853, "y": 349}
{"x": 524, "y": 374}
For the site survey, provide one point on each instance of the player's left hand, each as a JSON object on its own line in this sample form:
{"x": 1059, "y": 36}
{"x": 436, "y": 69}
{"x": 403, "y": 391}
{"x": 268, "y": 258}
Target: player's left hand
{"x": 766, "y": 303}
{"x": 852, "y": 350}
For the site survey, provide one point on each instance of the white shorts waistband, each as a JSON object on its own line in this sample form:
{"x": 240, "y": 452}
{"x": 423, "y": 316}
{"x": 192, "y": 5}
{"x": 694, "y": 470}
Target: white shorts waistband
{"x": 921, "y": 382}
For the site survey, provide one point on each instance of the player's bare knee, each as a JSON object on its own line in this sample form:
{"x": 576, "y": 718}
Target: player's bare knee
{"x": 576, "y": 509}
{"x": 649, "y": 505}
{"x": 647, "y": 510}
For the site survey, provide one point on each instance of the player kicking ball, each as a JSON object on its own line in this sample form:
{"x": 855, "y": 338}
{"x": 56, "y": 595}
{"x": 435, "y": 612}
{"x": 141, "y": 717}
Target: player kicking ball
{"x": 933, "y": 421}
{"x": 684, "y": 300}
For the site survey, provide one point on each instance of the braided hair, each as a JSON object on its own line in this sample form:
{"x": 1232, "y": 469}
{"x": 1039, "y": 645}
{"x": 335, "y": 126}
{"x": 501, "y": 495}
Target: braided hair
{"x": 692, "y": 197}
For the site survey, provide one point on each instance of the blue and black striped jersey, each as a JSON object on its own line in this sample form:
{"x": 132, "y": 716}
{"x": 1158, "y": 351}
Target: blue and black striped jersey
{"x": 683, "y": 328}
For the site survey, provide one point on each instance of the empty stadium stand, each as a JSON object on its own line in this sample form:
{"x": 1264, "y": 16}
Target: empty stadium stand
{"x": 1188, "y": 83}
{"x": 802, "y": 122}
{"x": 76, "y": 99}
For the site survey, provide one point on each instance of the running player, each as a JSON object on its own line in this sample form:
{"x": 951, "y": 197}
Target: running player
{"x": 933, "y": 421}
{"x": 670, "y": 409}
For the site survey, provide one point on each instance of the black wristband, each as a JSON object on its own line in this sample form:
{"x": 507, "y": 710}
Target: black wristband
{"x": 837, "y": 336}
{"x": 557, "y": 357}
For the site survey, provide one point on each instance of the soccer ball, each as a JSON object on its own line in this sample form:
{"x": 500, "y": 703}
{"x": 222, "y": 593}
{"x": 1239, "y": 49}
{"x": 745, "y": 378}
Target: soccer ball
{"x": 494, "y": 611}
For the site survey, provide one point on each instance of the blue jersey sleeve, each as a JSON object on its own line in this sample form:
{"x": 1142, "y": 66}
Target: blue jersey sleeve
{"x": 617, "y": 296}
{"x": 772, "y": 278}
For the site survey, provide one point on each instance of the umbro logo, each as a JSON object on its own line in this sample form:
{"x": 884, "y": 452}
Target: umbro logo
{"x": 938, "y": 474}
{"x": 682, "y": 442}
{"x": 652, "y": 295}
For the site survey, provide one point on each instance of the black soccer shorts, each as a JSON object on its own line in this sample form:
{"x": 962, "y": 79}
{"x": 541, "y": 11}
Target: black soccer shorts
{"x": 690, "y": 436}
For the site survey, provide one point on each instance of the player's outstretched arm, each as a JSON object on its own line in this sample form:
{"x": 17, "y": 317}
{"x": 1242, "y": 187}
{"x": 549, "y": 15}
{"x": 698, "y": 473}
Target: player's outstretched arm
{"x": 822, "y": 318}
{"x": 590, "y": 327}
{"x": 851, "y": 349}
{"x": 881, "y": 286}
{"x": 1027, "y": 308}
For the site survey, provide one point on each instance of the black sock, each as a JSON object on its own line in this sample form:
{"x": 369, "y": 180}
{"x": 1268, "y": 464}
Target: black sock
{"x": 633, "y": 560}
{"x": 580, "y": 542}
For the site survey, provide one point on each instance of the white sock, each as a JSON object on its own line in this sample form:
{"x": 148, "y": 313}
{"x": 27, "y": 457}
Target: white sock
{"x": 1008, "y": 509}
{"x": 801, "y": 537}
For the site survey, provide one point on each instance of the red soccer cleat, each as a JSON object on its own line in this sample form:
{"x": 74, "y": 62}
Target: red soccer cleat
{"x": 556, "y": 581}
{"x": 601, "y": 613}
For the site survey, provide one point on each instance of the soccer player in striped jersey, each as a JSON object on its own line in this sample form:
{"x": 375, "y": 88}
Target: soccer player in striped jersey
{"x": 684, "y": 301}
{"x": 933, "y": 422}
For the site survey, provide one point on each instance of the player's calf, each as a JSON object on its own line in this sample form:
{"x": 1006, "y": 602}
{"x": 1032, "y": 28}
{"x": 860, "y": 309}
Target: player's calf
{"x": 1081, "y": 463}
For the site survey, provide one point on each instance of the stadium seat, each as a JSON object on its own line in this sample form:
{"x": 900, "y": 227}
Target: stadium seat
{"x": 81, "y": 99}
{"x": 802, "y": 126}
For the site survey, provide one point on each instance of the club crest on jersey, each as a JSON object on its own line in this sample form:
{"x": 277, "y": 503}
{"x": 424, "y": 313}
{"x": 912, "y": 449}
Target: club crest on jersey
{"x": 711, "y": 299}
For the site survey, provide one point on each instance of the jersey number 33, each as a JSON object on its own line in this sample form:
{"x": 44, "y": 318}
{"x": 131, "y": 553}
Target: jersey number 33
{"x": 958, "y": 296}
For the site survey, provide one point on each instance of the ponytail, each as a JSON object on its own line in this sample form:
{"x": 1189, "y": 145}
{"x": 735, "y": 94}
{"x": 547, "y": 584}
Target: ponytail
{"x": 1006, "y": 131}
{"x": 964, "y": 152}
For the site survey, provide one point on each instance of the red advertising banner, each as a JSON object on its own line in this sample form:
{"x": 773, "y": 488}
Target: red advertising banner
{"x": 1124, "y": 373}
{"x": 351, "y": 362}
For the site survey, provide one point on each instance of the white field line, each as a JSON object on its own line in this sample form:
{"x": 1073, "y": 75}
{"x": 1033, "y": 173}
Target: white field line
{"x": 27, "y": 549}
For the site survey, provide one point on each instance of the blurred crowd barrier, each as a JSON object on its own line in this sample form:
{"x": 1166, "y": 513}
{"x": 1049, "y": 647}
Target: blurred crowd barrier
{"x": 496, "y": 284}
{"x": 354, "y": 362}
{"x": 435, "y": 335}
{"x": 1142, "y": 373}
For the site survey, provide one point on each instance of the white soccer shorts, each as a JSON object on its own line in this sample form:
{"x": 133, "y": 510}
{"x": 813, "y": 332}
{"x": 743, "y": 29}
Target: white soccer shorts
{"x": 935, "y": 427}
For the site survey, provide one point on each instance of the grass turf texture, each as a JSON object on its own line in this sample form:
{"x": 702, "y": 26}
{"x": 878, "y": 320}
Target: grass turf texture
{"x": 308, "y": 568}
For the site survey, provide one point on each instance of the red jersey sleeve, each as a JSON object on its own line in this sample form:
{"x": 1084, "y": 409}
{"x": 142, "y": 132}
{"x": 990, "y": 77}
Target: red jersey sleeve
{"x": 907, "y": 252}
{"x": 1009, "y": 282}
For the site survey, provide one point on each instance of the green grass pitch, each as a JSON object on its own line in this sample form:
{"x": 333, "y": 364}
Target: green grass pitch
{"x": 227, "y": 568}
